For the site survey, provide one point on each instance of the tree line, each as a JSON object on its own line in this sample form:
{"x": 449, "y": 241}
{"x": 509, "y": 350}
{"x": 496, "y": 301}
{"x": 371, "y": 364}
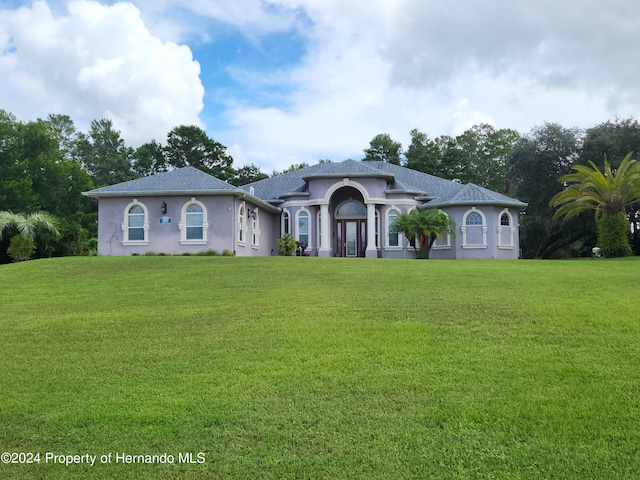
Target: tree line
{"x": 46, "y": 164}
{"x": 527, "y": 167}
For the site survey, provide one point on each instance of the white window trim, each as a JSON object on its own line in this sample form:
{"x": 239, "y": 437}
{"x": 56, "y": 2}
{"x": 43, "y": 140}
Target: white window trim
{"x": 512, "y": 231}
{"x": 484, "y": 227}
{"x": 242, "y": 224}
{"x": 377, "y": 235}
{"x": 393, "y": 208}
{"x": 319, "y": 229}
{"x": 297, "y": 237}
{"x": 125, "y": 225}
{"x": 182, "y": 225}
{"x": 255, "y": 229}
{"x": 446, "y": 245}
{"x": 285, "y": 213}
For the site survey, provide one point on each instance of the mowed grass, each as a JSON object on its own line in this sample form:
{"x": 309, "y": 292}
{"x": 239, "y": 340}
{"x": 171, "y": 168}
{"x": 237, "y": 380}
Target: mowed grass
{"x": 322, "y": 368}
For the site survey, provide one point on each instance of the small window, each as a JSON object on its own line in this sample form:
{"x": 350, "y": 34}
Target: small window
{"x": 195, "y": 222}
{"x": 136, "y": 223}
{"x": 377, "y": 229}
{"x": 255, "y": 228}
{"x": 505, "y": 221}
{"x": 474, "y": 218}
{"x": 394, "y": 237}
{"x": 286, "y": 222}
{"x": 303, "y": 228}
{"x": 241, "y": 224}
{"x": 351, "y": 209}
{"x": 474, "y": 230}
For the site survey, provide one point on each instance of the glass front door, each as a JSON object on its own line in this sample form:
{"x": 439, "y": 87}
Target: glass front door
{"x": 351, "y": 238}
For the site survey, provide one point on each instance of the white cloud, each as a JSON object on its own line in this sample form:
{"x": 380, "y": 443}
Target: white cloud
{"x": 375, "y": 66}
{"x": 390, "y": 66}
{"x": 97, "y": 61}
{"x": 182, "y": 21}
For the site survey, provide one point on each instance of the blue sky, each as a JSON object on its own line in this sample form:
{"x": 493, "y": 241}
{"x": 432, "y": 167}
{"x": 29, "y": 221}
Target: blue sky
{"x": 289, "y": 81}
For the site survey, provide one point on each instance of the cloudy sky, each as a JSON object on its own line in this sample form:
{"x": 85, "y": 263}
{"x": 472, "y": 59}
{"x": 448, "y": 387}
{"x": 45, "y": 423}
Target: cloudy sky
{"x": 288, "y": 81}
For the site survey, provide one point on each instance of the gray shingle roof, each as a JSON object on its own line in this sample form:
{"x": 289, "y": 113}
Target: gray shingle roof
{"x": 185, "y": 180}
{"x": 472, "y": 194}
{"x": 274, "y": 190}
{"x": 401, "y": 180}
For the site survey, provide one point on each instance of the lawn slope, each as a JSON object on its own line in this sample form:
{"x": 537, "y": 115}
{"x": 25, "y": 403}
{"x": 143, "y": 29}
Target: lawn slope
{"x": 321, "y": 368}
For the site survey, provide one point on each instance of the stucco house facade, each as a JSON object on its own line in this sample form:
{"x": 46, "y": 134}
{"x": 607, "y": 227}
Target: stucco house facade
{"x": 333, "y": 209}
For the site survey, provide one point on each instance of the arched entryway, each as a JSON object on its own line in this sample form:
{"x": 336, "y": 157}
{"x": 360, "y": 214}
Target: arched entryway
{"x": 351, "y": 229}
{"x": 350, "y": 223}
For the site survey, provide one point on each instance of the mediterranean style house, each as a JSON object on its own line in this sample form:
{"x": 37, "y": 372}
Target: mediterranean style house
{"x": 332, "y": 209}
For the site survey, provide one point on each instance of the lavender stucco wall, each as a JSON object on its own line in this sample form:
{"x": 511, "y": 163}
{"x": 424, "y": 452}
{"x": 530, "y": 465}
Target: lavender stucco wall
{"x": 493, "y": 248}
{"x": 221, "y": 215}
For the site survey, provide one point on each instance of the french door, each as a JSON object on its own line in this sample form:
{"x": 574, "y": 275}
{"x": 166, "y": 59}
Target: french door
{"x": 351, "y": 238}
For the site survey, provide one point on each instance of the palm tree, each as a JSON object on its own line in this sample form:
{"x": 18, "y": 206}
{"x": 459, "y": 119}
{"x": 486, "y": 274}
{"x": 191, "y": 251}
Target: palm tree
{"x": 422, "y": 227}
{"x": 608, "y": 193}
{"x": 23, "y": 244}
{"x": 287, "y": 244}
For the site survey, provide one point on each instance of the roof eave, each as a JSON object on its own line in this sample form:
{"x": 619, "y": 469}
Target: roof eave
{"x": 189, "y": 193}
{"x": 519, "y": 205}
{"x": 408, "y": 192}
{"x": 383, "y": 175}
{"x": 295, "y": 194}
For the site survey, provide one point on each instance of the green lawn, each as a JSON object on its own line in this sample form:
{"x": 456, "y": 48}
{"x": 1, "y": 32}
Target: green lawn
{"x": 321, "y": 368}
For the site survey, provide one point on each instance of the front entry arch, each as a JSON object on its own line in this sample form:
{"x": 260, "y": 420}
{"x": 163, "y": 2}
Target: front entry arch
{"x": 351, "y": 229}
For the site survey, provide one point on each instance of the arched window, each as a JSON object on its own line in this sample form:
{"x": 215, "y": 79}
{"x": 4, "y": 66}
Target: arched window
{"x": 393, "y": 238}
{"x": 255, "y": 228}
{"x": 442, "y": 243}
{"x": 506, "y": 231}
{"x": 474, "y": 229}
{"x": 351, "y": 209}
{"x": 242, "y": 226}
{"x": 302, "y": 234}
{"x": 136, "y": 224}
{"x": 193, "y": 223}
{"x": 319, "y": 228}
{"x": 474, "y": 218}
{"x": 286, "y": 222}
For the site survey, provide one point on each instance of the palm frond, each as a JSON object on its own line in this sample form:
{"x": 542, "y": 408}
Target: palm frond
{"x": 589, "y": 188}
{"x": 27, "y": 225}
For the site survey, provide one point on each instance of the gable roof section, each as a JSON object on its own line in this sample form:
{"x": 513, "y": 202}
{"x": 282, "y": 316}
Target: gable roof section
{"x": 400, "y": 180}
{"x": 472, "y": 194}
{"x": 348, "y": 168}
{"x": 182, "y": 181}
{"x": 413, "y": 181}
{"x": 187, "y": 180}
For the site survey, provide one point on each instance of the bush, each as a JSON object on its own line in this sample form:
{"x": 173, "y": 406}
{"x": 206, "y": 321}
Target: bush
{"x": 287, "y": 244}
{"x": 613, "y": 235}
{"x": 21, "y": 248}
{"x": 208, "y": 253}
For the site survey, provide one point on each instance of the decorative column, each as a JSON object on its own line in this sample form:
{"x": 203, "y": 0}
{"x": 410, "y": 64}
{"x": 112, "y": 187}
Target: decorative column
{"x": 325, "y": 249}
{"x": 372, "y": 251}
